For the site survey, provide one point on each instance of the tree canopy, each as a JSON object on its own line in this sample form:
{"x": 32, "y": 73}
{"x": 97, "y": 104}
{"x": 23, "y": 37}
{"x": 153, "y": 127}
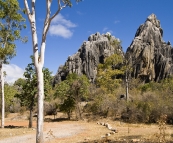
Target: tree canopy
{"x": 71, "y": 91}
{"x": 11, "y": 24}
{"x": 109, "y": 73}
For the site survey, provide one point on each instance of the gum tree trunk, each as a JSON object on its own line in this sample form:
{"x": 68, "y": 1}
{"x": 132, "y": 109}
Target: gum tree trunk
{"x": 40, "y": 110}
{"x": 39, "y": 57}
{"x": 2, "y": 96}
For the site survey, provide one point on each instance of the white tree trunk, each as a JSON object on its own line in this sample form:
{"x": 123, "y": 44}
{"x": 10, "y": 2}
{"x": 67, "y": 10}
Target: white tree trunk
{"x": 2, "y": 95}
{"x": 40, "y": 110}
{"x": 39, "y": 60}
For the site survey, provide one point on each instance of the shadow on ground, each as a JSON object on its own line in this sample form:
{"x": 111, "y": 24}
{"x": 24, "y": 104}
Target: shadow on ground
{"x": 56, "y": 120}
{"x": 14, "y": 127}
{"x": 126, "y": 141}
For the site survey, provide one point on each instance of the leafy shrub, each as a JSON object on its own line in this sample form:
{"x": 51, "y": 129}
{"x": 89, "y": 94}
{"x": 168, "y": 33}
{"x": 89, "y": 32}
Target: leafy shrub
{"x": 68, "y": 106}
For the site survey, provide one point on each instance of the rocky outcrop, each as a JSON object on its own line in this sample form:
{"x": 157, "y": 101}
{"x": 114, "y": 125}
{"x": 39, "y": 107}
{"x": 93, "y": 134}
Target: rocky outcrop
{"x": 89, "y": 55}
{"x": 150, "y": 57}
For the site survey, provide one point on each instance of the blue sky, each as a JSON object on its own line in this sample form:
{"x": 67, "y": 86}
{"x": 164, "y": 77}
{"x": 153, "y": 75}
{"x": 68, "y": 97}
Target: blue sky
{"x": 74, "y": 25}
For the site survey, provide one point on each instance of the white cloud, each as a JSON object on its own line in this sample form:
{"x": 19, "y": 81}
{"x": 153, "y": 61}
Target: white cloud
{"x": 104, "y": 29}
{"x": 59, "y": 19}
{"x": 110, "y": 31}
{"x": 116, "y": 21}
{"x": 13, "y": 72}
{"x": 41, "y": 19}
{"x": 60, "y": 30}
{"x": 61, "y": 27}
{"x": 89, "y": 32}
{"x": 79, "y": 13}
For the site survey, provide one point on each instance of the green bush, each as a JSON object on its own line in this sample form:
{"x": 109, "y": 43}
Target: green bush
{"x": 68, "y": 106}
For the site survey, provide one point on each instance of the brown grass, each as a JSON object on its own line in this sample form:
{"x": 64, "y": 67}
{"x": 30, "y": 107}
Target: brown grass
{"x": 11, "y": 131}
{"x": 93, "y": 132}
{"x": 126, "y": 132}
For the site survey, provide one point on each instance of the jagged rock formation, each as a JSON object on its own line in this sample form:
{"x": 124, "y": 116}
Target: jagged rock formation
{"x": 90, "y": 54}
{"x": 150, "y": 56}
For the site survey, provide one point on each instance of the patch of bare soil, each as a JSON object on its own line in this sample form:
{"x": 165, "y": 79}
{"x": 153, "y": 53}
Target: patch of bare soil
{"x": 64, "y": 131}
{"x": 95, "y": 133}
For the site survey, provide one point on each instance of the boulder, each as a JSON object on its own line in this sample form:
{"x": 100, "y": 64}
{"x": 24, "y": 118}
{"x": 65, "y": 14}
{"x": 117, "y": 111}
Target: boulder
{"x": 113, "y": 130}
{"x": 109, "y": 127}
{"x": 89, "y": 55}
{"x": 108, "y": 134}
{"x": 150, "y": 57}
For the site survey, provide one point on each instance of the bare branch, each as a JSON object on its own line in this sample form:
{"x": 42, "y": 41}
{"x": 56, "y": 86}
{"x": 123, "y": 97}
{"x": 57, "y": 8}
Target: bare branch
{"x": 47, "y": 22}
{"x": 33, "y": 7}
{"x": 59, "y": 9}
{"x": 31, "y": 17}
{"x": 59, "y": 4}
{"x": 27, "y": 9}
{"x": 63, "y": 6}
{"x": 45, "y": 30}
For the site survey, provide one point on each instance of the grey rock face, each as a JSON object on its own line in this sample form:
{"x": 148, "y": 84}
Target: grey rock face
{"x": 150, "y": 56}
{"x": 89, "y": 55}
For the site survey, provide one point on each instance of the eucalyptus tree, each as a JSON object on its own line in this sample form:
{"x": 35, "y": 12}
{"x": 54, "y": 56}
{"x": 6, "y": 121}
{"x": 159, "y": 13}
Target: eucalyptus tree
{"x": 71, "y": 91}
{"x": 11, "y": 24}
{"x": 110, "y": 73}
{"x": 39, "y": 57}
{"x": 28, "y": 94}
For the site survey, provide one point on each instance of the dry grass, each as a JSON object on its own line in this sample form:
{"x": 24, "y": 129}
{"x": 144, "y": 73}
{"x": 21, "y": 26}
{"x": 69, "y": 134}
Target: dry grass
{"x": 14, "y": 131}
{"x": 126, "y": 132}
{"x": 92, "y": 132}
{"x": 16, "y": 126}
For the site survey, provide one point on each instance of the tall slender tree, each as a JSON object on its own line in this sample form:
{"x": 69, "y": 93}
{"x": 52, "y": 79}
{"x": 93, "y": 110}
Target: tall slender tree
{"x": 28, "y": 93}
{"x": 11, "y": 24}
{"x": 39, "y": 57}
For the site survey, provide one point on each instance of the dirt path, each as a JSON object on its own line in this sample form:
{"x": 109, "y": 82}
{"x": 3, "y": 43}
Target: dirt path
{"x": 56, "y": 131}
{"x": 78, "y": 131}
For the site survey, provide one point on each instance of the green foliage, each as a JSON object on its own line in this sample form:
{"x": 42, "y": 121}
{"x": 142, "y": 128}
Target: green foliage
{"x": 147, "y": 101}
{"x": 109, "y": 37}
{"x": 109, "y": 73}
{"x": 20, "y": 82}
{"x": 71, "y": 91}
{"x": 11, "y": 24}
{"x": 29, "y": 86}
{"x": 115, "y": 43}
{"x": 78, "y": 86}
{"x": 74, "y": 86}
{"x": 47, "y": 82}
{"x": 145, "y": 87}
{"x": 150, "y": 101}
{"x": 62, "y": 90}
{"x": 105, "y": 104}
{"x": 68, "y": 106}
{"x": 9, "y": 91}
{"x": 28, "y": 94}
{"x": 68, "y": 2}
